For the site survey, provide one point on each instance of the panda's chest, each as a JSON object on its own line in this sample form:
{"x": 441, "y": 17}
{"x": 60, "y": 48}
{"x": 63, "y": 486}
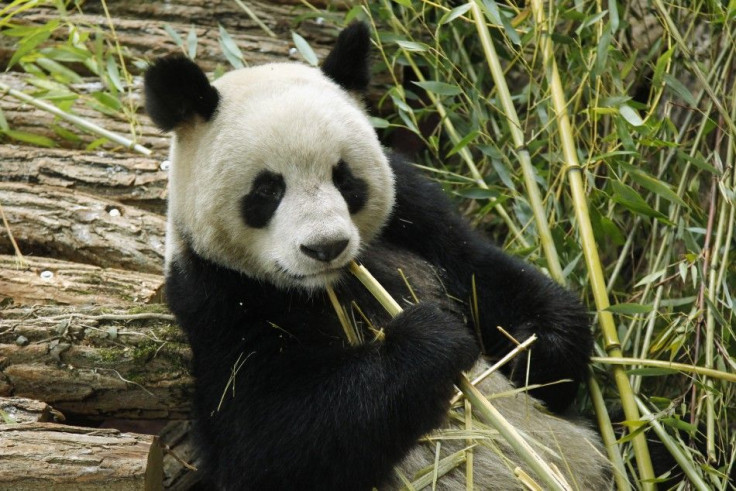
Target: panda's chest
{"x": 300, "y": 319}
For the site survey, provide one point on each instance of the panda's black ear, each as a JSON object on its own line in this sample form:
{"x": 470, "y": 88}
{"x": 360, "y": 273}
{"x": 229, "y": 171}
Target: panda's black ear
{"x": 177, "y": 90}
{"x": 348, "y": 64}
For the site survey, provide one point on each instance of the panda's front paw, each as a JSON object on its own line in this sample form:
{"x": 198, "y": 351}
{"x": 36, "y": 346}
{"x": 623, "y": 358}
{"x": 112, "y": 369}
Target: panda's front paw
{"x": 425, "y": 331}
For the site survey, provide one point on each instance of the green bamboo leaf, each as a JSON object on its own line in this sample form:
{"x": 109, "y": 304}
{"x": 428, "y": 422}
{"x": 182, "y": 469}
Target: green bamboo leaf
{"x": 192, "y": 43}
{"x": 651, "y": 371}
{"x": 455, "y": 13}
{"x": 698, "y": 160}
{"x": 440, "y": 88}
{"x": 379, "y": 122}
{"x": 495, "y": 16}
{"x": 31, "y": 138}
{"x": 66, "y": 134}
{"x": 678, "y": 88}
{"x": 173, "y": 35}
{"x": 113, "y": 73}
{"x": 658, "y": 187}
{"x": 3, "y": 122}
{"x": 630, "y": 115}
{"x": 630, "y": 308}
{"x": 661, "y": 66}
{"x": 477, "y": 193}
{"x": 66, "y": 54}
{"x": 59, "y": 71}
{"x": 629, "y": 198}
{"x": 463, "y": 143}
{"x": 601, "y": 56}
{"x": 593, "y": 19}
{"x": 304, "y": 49}
{"x": 28, "y": 44}
{"x": 107, "y": 100}
{"x": 230, "y": 49}
{"x": 680, "y": 424}
{"x": 650, "y": 277}
{"x": 412, "y": 46}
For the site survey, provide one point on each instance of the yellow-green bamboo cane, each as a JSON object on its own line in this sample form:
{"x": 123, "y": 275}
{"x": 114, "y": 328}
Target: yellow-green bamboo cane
{"x": 595, "y": 271}
{"x": 476, "y": 398}
{"x": 517, "y": 135}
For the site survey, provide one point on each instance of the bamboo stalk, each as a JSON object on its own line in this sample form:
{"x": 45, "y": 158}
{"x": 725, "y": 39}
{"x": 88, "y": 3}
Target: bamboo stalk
{"x": 347, "y": 328}
{"x": 476, "y": 398}
{"x": 82, "y": 123}
{"x": 527, "y": 170}
{"x": 590, "y": 251}
{"x": 608, "y": 435}
{"x": 685, "y": 464}
{"x": 455, "y": 138}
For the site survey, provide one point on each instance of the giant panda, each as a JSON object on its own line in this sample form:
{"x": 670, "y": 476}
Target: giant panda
{"x": 277, "y": 181}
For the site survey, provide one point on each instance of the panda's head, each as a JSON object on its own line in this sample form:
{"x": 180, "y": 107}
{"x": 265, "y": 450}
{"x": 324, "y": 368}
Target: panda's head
{"x": 276, "y": 171}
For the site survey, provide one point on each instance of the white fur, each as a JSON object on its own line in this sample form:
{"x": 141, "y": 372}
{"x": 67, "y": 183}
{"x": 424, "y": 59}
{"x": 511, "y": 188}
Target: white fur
{"x": 292, "y": 120}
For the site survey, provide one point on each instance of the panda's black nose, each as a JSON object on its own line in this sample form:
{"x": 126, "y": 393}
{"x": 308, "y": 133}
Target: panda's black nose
{"x": 324, "y": 251}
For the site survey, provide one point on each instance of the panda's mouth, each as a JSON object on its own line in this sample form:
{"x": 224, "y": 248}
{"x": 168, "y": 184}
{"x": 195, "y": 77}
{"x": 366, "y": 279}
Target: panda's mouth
{"x": 325, "y": 274}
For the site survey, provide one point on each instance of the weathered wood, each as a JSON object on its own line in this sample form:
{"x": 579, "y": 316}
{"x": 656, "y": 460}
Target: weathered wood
{"x": 97, "y": 363}
{"x": 122, "y": 177}
{"x": 23, "y": 410}
{"x": 52, "y": 221}
{"x": 44, "y": 280}
{"x": 144, "y": 35}
{"x": 181, "y": 458}
{"x": 42, "y": 456}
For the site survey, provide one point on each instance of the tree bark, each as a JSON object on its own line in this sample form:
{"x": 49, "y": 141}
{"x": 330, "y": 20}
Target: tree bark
{"x": 97, "y": 363}
{"x": 41, "y": 456}
{"x": 51, "y": 221}
{"x": 145, "y": 38}
{"x": 45, "y": 280}
{"x": 22, "y": 410}
{"x": 129, "y": 179}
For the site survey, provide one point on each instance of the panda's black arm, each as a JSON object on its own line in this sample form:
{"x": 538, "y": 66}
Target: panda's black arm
{"x": 313, "y": 416}
{"x": 511, "y": 293}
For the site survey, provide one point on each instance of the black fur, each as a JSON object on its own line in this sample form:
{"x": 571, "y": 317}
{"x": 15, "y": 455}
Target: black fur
{"x": 353, "y": 189}
{"x": 259, "y": 205}
{"x": 511, "y": 294}
{"x": 348, "y": 63}
{"x": 300, "y": 396}
{"x": 177, "y": 90}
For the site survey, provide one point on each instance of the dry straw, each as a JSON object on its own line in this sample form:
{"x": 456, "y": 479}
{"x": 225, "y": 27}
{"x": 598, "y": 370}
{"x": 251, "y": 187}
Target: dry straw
{"x": 481, "y": 405}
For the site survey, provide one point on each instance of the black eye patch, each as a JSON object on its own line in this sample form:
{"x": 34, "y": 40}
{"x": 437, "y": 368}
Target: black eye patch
{"x": 259, "y": 205}
{"x": 353, "y": 189}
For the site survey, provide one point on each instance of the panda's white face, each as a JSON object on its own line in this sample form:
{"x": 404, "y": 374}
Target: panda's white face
{"x": 285, "y": 183}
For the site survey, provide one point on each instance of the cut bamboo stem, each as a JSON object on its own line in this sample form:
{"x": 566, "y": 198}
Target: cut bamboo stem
{"x": 590, "y": 251}
{"x": 685, "y": 462}
{"x": 476, "y": 398}
{"x": 82, "y": 123}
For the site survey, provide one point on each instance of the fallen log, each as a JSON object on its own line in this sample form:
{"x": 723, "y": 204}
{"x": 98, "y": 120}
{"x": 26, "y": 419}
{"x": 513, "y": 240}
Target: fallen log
{"x": 50, "y": 281}
{"x": 181, "y": 458}
{"x": 97, "y": 363}
{"x": 23, "y": 410}
{"x": 122, "y": 177}
{"x": 41, "y": 456}
{"x": 51, "y": 221}
{"x": 144, "y": 35}
{"x": 29, "y": 119}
